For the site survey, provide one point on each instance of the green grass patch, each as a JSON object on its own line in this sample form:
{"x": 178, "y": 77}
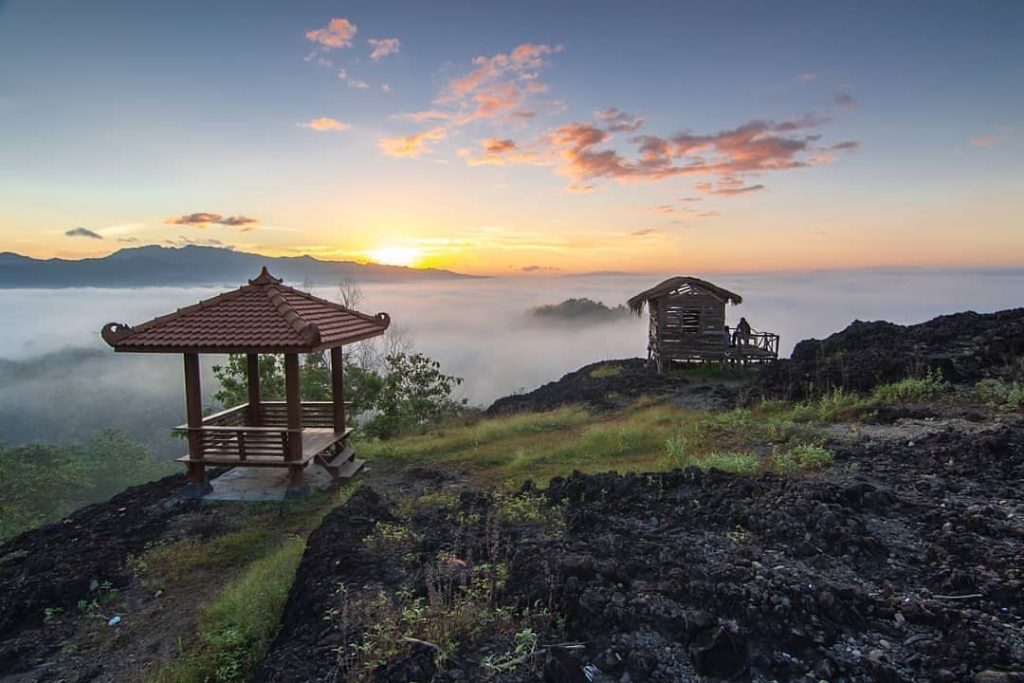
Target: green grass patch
{"x": 505, "y": 451}
{"x": 236, "y": 629}
{"x": 911, "y": 389}
{"x": 606, "y": 370}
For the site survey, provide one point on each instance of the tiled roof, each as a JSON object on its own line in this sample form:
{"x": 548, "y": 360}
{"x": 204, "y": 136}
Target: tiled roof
{"x": 263, "y": 316}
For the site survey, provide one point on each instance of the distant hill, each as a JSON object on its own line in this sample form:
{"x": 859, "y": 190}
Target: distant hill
{"x": 194, "y": 265}
{"x": 579, "y": 311}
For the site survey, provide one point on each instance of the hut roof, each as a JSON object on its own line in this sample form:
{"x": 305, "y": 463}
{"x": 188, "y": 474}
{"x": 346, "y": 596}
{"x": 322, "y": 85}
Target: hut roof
{"x": 263, "y": 316}
{"x": 636, "y": 303}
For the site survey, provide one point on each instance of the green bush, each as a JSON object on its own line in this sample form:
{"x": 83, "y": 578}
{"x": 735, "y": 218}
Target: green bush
{"x": 1000, "y": 394}
{"x": 911, "y": 389}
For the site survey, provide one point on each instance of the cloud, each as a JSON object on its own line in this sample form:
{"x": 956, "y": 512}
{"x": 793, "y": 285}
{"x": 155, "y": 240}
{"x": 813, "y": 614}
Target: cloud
{"x": 728, "y": 186}
{"x": 498, "y": 151}
{"x": 324, "y": 124}
{"x": 986, "y": 140}
{"x": 616, "y": 120}
{"x": 412, "y": 146}
{"x": 577, "y": 150}
{"x": 356, "y": 83}
{"x": 183, "y": 241}
{"x": 385, "y": 88}
{"x": 844, "y": 100}
{"x": 128, "y": 240}
{"x": 539, "y": 269}
{"x": 382, "y": 47}
{"x": 644, "y": 232}
{"x": 202, "y": 219}
{"x": 83, "y": 232}
{"x": 806, "y": 76}
{"x": 500, "y": 88}
{"x": 338, "y": 33}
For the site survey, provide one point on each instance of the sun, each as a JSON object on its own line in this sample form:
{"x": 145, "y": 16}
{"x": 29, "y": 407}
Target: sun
{"x": 393, "y": 255}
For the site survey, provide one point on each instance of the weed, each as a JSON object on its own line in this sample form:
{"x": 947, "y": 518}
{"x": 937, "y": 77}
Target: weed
{"x": 911, "y": 389}
{"x": 389, "y": 534}
{"x": 802, "y": 458}
{"x": 1000, "y": 394}
{"x": 606, "y": 370}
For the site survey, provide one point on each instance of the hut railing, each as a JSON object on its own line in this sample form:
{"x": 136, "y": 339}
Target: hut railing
{"x": 767, "y": 342}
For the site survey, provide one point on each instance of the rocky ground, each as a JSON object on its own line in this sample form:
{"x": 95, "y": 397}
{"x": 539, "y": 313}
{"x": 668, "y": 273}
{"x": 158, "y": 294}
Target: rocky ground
{"x": 614, "y": 383}
{"x": 963, "y": 347}
{"x": 904, "y": 562}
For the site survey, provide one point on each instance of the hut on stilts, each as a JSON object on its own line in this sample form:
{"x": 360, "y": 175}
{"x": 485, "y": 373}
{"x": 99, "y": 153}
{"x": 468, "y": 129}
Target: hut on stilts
{"x": 687, "y": 325}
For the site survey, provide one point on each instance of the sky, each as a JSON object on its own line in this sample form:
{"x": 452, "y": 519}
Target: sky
{"x": 526, "y": 138}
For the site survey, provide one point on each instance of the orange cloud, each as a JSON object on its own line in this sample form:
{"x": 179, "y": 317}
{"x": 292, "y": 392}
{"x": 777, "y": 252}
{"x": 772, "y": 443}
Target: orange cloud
{"x": 986, "y": 140}
{"x": 616, "y": 120}
{"x": 382, "y": 47}
{"x": 412, "y": 146}
{"x": 325, "y": 123}
{"x": 339, "y": 32}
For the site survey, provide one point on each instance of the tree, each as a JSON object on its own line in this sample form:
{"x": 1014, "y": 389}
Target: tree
{"x": 414, "y": 395}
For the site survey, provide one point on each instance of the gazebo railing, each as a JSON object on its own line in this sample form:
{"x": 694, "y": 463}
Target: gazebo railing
{"x": 273, "y": 414}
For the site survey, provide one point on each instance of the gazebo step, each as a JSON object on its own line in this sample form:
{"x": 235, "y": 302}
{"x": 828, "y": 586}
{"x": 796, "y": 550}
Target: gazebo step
{"x": 336, "y": 463}
{"x": 350, "y": 468}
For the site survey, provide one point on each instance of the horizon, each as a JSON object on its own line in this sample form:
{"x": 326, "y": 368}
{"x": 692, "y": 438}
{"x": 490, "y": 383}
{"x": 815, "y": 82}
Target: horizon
{"x": 513, "y": 142}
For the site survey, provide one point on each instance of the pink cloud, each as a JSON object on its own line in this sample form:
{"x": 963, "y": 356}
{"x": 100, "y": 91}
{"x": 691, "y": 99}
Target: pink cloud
{"x": 577, "y": 150}
{"x": 382, "y": 47}
{"x": 616, "y": 120}
{"x": 412, "y": 146}
{"x": 338, "y": 33}
{"x": 986, "y": 140}
{"x": 325, "y": 123}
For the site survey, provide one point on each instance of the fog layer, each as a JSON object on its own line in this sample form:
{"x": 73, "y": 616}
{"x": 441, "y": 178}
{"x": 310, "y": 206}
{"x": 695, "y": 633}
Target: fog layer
{"x": 480, "y": 330}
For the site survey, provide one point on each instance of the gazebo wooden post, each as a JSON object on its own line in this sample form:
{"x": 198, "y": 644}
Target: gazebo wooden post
{"x": 252, "y": 374}
{"x": 293, "y": 398}
{"x": 197, "y": 484}
{"x": 338, "y": 389}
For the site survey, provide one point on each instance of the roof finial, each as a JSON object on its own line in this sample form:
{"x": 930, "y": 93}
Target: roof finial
{"x": 265, "y": 278}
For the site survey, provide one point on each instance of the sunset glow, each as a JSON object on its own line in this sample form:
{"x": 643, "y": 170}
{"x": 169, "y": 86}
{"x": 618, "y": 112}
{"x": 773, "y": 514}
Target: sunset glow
{"x": 395, "y": 256}
{"x": 511, "y": 142}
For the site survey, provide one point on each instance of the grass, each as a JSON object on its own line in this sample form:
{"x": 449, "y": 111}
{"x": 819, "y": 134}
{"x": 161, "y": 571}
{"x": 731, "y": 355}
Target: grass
{"x": 237, "y": 627}
{"x": 911, "y": 389}
{"x": 606, "y": 370}
{"x": 505, "y": 451}
{"x": 256, "y": 565}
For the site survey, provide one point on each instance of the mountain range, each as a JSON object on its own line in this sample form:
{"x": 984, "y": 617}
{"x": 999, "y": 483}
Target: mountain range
{"x": 195, "y": 265}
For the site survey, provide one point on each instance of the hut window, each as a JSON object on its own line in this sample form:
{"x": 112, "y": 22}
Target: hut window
{"x": 691, "y": 321}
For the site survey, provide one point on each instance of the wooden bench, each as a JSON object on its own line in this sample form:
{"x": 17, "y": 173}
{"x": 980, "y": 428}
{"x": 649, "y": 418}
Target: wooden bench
{"x": 265, "y": 446}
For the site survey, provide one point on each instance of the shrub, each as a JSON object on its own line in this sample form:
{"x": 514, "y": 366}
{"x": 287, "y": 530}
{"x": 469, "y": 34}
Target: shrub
{"x": 801, "y": 459}
{"x": 911, "y": 389}
{"x": 1000, "y": 394}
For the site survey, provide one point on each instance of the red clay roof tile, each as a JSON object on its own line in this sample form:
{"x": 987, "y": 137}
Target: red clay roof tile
{"x": 263, "y": 316}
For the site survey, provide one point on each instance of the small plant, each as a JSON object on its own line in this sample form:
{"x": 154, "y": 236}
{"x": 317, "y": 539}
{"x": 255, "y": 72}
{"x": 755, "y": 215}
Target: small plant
{"x": 525, "y": 508}
{"x": 51, "y": 614}
{"x": 389, "y": 534}
{"x": 911, "y": 389}
{"x": 802, "y": 458}
{"x": 1000, "y": 394}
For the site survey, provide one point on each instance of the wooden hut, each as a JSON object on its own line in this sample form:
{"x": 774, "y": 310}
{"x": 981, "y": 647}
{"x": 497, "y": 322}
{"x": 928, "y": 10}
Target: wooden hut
{"x": 261, "y": 317}
{"x": 687, "y": 325}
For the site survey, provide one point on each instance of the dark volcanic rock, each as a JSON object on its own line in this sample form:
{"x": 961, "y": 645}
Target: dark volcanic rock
{"x": 628, "y": 378}
{"x": 905, "y": 568}
{"x": 57, "y": 565}
{"x": 964, "y": 347}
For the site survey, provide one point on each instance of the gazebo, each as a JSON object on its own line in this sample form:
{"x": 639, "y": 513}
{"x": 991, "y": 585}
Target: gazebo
{"x": 262, "y": 317}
